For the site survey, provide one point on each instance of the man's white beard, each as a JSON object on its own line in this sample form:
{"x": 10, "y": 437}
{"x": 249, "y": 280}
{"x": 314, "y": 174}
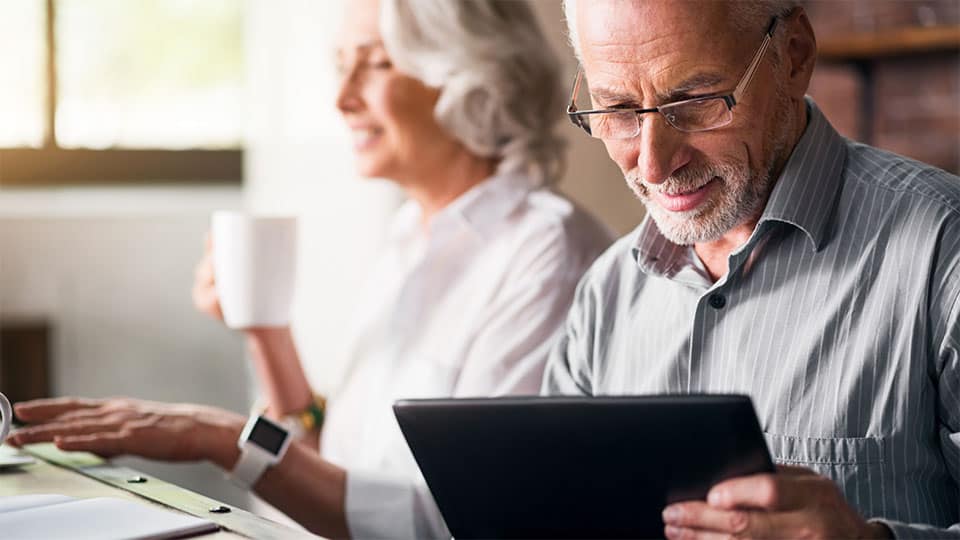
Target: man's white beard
{"x": 739, "y": 195}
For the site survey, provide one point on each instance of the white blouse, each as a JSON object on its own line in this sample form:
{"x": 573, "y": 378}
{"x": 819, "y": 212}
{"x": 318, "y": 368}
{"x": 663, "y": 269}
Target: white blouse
{"x": 466, "y": 306}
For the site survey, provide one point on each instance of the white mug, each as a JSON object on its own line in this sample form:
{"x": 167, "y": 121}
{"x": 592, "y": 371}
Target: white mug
{"x": 6, "y": 422}
{"x": 254, "y": 263}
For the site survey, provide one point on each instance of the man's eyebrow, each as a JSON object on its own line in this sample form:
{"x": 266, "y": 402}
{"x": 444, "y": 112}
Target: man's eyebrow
{"x": 680, "y": 91}
{"x": 700, "y": 80}
{"x": 609, "y": 95}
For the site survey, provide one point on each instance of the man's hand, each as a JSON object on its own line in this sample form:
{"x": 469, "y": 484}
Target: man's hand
{"x": 795, "y": 503}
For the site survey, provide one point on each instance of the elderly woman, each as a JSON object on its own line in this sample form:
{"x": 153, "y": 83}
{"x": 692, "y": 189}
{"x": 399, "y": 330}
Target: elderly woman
{"x": 455, "y": 102}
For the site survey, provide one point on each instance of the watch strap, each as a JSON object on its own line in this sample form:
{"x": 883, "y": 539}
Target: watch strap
{"x": 251, "y": 466}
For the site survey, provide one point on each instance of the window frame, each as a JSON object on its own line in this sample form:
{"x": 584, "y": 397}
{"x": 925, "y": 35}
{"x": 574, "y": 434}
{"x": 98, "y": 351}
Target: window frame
{"x": 52, "y": 165}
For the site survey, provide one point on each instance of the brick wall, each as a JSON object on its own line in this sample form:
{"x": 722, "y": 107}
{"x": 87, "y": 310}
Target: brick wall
{"x": 913, "y": 99}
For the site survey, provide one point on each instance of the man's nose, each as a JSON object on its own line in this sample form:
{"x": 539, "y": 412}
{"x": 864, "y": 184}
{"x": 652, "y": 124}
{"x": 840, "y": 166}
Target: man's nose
{"x": 662, "y": 149}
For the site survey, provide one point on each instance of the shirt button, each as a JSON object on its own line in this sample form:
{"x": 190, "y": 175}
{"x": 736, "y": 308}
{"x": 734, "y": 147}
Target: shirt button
{"x": 717, "y": 301}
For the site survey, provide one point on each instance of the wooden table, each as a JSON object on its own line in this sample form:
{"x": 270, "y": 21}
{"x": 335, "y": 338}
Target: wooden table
{"x": 84, "y": 475}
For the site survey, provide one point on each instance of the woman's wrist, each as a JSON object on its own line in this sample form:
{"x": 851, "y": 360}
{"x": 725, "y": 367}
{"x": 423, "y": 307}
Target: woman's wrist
{"x": 218, "y": 438}
{"x": 278, "y": 369}
{"x": 269, "y": 336}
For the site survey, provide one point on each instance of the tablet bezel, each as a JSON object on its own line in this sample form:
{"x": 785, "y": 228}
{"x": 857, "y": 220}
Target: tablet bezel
{"x": 498, "y": 467}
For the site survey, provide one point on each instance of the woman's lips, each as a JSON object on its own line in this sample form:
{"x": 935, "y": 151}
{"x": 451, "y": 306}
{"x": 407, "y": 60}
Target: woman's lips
{"x": 683, "y": 202}
{"x": 365, "y": 138}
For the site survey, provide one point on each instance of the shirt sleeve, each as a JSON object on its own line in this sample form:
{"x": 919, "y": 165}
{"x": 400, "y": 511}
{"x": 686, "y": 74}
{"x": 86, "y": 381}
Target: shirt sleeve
{"x": 379, "y": 505}
{"x": 514, "y": 336}
{"x": 947, "y": 370}
{"x": 568, "y": 370}
{"x": 516, "y": 333}
{"x": 510, "y": 352}
{"x": 948, "y": 388}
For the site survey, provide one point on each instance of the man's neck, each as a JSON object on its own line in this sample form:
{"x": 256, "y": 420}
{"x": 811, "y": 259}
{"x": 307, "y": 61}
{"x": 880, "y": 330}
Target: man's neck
{"x": 716, "y": 255}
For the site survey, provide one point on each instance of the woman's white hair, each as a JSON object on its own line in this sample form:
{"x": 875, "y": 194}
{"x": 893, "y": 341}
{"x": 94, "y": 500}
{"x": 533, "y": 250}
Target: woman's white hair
{"x": 500, "y": 93}
{"x": 744, "y": 16}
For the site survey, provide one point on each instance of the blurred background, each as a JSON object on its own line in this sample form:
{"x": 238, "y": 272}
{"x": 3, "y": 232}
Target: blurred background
{"x": 123, "y": 125}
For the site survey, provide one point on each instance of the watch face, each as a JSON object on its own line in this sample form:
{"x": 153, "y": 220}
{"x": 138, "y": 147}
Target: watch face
{"x": 267, "y": 436}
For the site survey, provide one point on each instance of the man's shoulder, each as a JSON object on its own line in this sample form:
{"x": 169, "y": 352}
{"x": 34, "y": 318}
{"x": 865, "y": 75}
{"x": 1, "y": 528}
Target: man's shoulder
{"x": 916, "y": 182}
{"x": 616, "y": 263}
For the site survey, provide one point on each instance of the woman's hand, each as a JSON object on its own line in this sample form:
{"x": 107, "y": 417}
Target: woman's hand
{"x": 119, "y": 426}
{"x": 205, "y": 297}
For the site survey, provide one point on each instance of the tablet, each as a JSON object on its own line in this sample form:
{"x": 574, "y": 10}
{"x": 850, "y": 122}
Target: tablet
{"x": 603, "y": 467}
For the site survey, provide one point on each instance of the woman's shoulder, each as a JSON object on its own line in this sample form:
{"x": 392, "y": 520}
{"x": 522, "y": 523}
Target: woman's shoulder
{"x": 548, "y": 230}
{"x": 561, "y": 219}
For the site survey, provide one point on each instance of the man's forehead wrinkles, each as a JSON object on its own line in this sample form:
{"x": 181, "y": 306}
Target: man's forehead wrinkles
{"x": 609, "y": 84}
{"x": 630, "y": 47}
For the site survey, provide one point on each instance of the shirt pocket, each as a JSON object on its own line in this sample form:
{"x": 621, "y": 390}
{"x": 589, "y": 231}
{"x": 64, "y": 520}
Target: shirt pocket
{"x": 819, "y": 452}
{"x": 855, "y": 464}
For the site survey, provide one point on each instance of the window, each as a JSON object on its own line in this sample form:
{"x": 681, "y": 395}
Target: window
{"x": 114, "y": 91}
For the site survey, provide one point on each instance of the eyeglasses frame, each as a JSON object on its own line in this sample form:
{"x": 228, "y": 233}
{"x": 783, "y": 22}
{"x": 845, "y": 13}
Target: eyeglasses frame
{"x": 731, "y": 99}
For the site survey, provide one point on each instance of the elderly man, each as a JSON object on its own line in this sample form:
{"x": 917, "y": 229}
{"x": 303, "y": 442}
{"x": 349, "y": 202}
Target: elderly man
{"x": 778, "y": 259}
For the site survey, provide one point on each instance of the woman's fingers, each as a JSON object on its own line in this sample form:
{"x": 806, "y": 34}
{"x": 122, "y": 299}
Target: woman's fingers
{"x": 109, "y": 427}
{"x": 204, "y": 292}
{"x": 205, "y": 299}
{"x": 103, "y": 444}
{"x": 203, "y": 273}
{"x": 48, "y": 432}
{"x": 84, "y": 414}
{"x": 41, "y": 410}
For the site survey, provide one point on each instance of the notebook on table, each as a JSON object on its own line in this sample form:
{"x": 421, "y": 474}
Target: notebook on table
{"x": 50, "y": 517}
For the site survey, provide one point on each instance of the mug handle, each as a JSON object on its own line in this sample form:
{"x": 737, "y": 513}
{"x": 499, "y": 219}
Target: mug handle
{"x": 6, "y": 422}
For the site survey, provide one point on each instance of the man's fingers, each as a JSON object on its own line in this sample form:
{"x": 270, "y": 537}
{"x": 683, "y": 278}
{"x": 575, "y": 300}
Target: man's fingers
{"x": 760, "y": 491}
{"x": 699, "y": 520}
{"x": 40, "y": 410}
{"x": 700, "y": 515}
{"x": 794, "y": 470}
{"x": 681, "y": 533}
{"x": 102, "y": 444}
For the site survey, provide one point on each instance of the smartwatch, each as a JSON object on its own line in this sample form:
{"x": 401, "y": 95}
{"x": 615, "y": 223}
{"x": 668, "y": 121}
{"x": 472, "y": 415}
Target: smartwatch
{"x": 262, "y": 444}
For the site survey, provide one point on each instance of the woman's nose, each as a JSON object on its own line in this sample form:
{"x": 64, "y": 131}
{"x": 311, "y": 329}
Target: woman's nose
{"x": 348, "y": 94}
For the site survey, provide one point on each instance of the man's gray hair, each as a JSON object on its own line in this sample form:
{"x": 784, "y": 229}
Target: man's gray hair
{"x": 500, "y": 92}
{"x": 744, "y": 17}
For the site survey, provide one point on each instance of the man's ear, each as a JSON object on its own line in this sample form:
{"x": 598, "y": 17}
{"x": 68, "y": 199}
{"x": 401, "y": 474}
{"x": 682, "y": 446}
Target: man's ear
{"x": 801, "y": 52}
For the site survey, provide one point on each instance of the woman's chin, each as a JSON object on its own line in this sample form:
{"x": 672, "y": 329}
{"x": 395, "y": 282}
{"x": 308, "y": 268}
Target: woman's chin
{"x": 370, "y": 169}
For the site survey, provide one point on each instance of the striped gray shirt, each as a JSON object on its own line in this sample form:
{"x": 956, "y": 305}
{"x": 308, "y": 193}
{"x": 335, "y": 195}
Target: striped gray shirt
{"x": 839, "y": 317}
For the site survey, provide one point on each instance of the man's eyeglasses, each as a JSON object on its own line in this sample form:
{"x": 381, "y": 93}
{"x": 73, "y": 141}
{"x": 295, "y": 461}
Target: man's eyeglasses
{"x": 689, "y": 115}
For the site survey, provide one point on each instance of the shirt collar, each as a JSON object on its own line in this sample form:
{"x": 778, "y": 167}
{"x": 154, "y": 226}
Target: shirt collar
{"x": 478, "y": 211}
{"x": 804, "y": 196}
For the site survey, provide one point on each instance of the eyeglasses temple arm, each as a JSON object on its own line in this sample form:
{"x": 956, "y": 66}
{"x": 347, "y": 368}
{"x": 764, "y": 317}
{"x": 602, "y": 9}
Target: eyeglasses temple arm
{"x": 576, "y": 89}
{"x": 745, "y": 80}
